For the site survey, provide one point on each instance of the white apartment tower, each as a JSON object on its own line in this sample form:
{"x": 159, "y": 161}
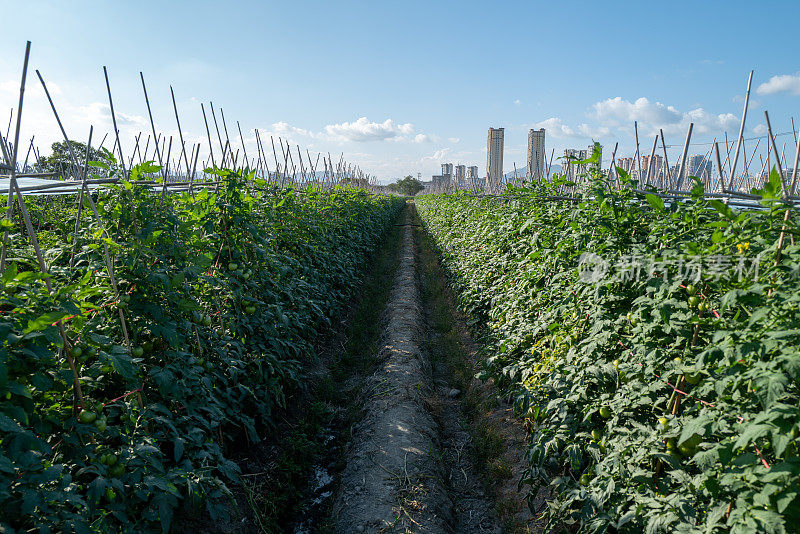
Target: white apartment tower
{"x": 536, "y": 157}
{"x": 494, "y": 155}
{"x": 460, "y": 175}
{"x": 571, "y": 170}
{"x": 472, "y": 174}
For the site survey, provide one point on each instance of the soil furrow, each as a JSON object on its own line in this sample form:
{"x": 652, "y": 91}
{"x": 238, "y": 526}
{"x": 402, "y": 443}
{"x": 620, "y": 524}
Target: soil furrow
{"x": 409, "y": 467}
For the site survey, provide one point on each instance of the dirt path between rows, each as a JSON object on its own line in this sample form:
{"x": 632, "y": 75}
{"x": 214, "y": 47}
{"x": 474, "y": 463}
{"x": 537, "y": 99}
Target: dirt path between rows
{"x": 408, "y": 466}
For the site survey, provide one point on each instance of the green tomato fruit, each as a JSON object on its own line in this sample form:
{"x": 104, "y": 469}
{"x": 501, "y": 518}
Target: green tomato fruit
{"x": 75, "y": 352}
{"x": 686, "y": 449}
{"x": 691, "y": 289}
{"x": 233, "y": 266}
{"x": 597, "y": 434}
{"x": 117, "y": 470}
{"x": 694, "y": 301}
{"x": 147, "y": 347}
{"x": 702, "y": 306}
{"x": 694, "y": 440}
{"x": 8, "y": 395}
{"x": 672, "y": 444}
{"x": 206, "y": 320}
{"x": 87, "y": 417}
{"x": 111, "y": 494}
{"x": 91, "y": 352}
{"x": 692, "y": 378}
{"x": 663, "y": 422}
{"x": 605, "y": 412}
{"x": 585, "y": 479}
{"x": 250, "y": 309}
{"x": 616, "y": 363}
{"x": 137, "y": 352}
{"x": 101, "y": 424}
{"x": 111, "y": 459}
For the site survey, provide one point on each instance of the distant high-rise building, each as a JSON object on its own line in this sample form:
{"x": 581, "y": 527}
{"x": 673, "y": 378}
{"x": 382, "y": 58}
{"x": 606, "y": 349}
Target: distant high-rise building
{"x": 536, "y": 154}
{"x": 472, "y": 174}
{"x": 626, "y": 164}
{"x": 447, "y": 168}
{"x": 460, "y": 175}
{"x": 494, "y": 155}
{"x": 590, "y": 151}
{"x": 652, "y": 170}
{"x": 698, "y": 166}
{"x": 572, "y": 170}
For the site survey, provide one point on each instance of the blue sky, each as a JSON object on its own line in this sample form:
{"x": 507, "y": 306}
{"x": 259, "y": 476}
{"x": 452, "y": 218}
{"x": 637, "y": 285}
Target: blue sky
{"x": 401, "y": 87}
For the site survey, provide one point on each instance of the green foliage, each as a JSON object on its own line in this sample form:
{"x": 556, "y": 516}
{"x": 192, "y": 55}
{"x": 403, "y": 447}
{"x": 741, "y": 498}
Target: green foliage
{"x": 592, "y": 364}
{"x": 407, "y": 186}
{"x": 223, "y": 293}
{"x": 60, "y": 159}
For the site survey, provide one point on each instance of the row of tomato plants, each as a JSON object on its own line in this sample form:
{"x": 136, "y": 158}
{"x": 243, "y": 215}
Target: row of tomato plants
{"x": 658, "y": 398}
{"x": 223, "y": 293}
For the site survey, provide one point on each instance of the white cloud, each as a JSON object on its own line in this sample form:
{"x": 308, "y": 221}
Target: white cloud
{"x": 705, "y": 122}
{"x": 616, "y": 110}
{"x": 439, "y": 155}
{"x": 284, "y": 129}
{"x": 617, "y": 113}
{"x": 595, "y": 132}
{"x": 784, "y": 83}
{"x": 555, "y": 126}
{"x": 453, "y": 139}
{"x": 517, "y": 102}
{"x": 760, "y": 129}
{"x": 423, "y": 138}
{"x": 363, "y": 130}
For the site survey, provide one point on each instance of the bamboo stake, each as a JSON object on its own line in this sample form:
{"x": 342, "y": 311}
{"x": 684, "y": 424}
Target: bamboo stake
{"x": 80, "y": 201}
{"x": 180, "y": 132}
{"x": 241, "y": 138}
{"x": 219, "y": 137}
{"x": 118, "y": 144}
{"x": 650, "y": 161}
{"x": 208, "y": 133}
{"x": 667, "y": 174}
{"x": 777, "y": 158}
{"x": 741, "y": 128}
{"x": 683, "y": 157}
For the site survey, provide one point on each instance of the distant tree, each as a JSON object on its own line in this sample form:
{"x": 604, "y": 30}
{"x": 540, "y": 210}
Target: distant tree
{"x": 407, "y": 186}
{"x": 60, "y": 160}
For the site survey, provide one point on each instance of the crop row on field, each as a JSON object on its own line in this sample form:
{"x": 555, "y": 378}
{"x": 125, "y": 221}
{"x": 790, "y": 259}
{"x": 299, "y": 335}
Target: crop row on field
{"x": 658, "y": 397}
{"x": 222, "y": 293}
